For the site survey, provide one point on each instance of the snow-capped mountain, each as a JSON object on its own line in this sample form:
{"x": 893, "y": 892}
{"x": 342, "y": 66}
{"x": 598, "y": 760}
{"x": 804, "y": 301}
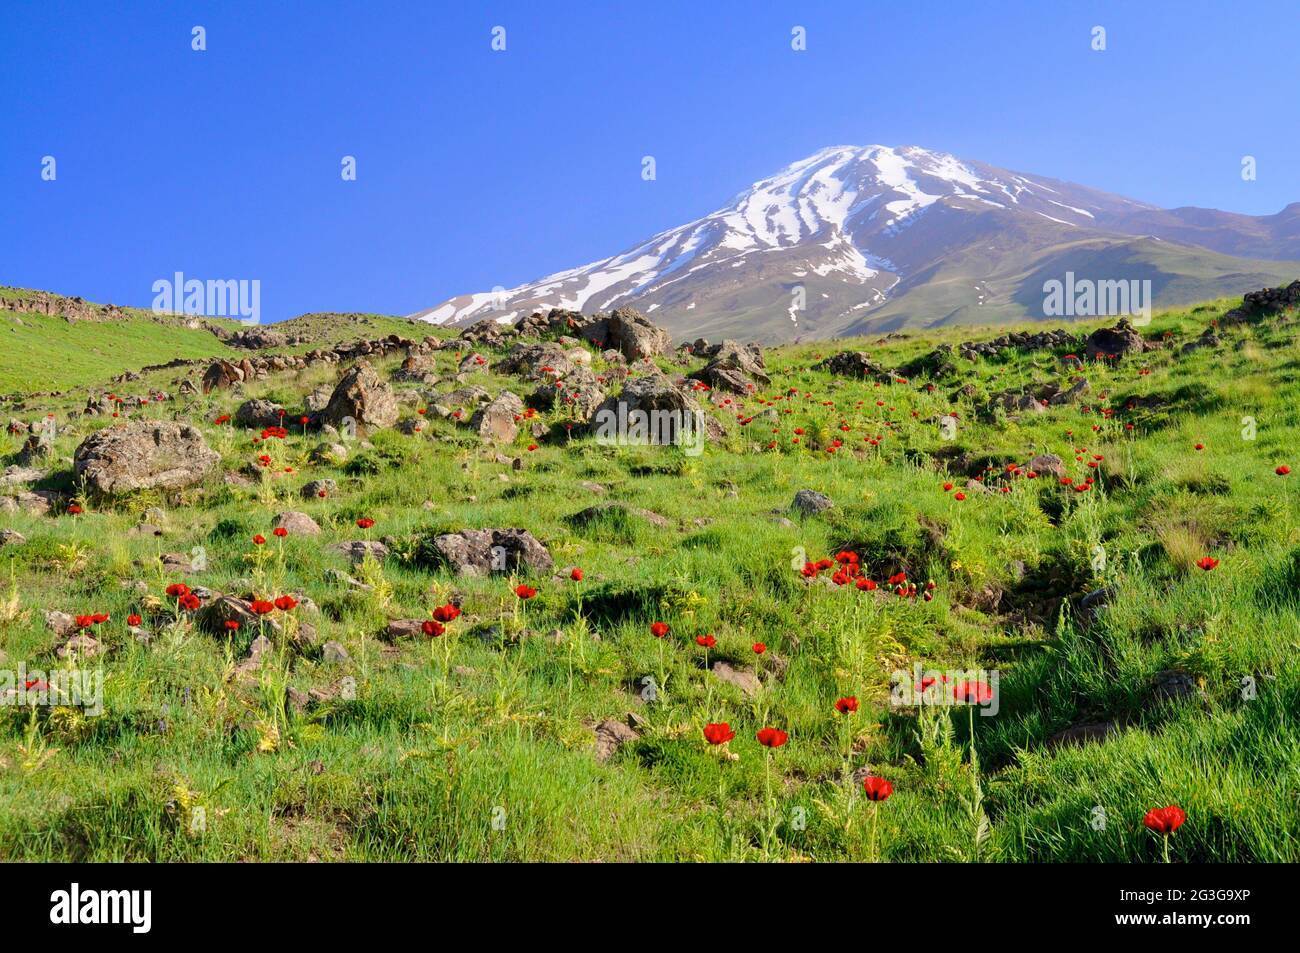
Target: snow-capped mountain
{"x": 840, "y": 241}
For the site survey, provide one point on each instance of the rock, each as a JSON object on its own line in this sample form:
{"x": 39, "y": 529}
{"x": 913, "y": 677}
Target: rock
{"x": 359, "y": 550}
{"x": 855, "y": 364}
{"x": 535, "y": 362}
{"x": 1097, "y": 731}
{"x": 142, "y": 456}
{"x": 221, "y": 375}
{"x": 39, "y": 446}
{"x": 1077, "y": 390}
{"x": 1171, "y": 685}
{"x": 258, "y": 413}
{"x": 60, "y": 623}
{"x": 37, "y": 503}
{"x": 214, "y": 616}
{"x": 480, "y": 552}
{"x": 330, "y": 454}
{"x": 734, "y": 367}
{"x": 747, "y": 682}
{"x": 627, "y": 331}
{"x": 175, "y": 564}
{"x": 334, "y": 653}
{"x": 1095, "y": 602}
{"x": 298, "y": 524}
{"x": 11, "y": 537}
{"x": 1113, "y": 342}
{"x": 404, "y": 629}
{"x": 1046, "y": 464}
{"x": 579, "y": 395}
{"x": 80, "y": 645}
{"x": 610, "y": 736}
{"x": 652, "y": 410}
{"x": 314, "y": 489}
{"x": 497, "y": 421}
{"x": 364, "y": 398}
{"x": 16, "y": 475}
{"x": 810, "y": 502}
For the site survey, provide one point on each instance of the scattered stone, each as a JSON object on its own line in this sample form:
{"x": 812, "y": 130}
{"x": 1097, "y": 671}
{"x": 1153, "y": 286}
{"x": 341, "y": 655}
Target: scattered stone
{"x": 497, "y": 421}
{"x": 610, "y": 736}
{"x": 810, "y": 502}
{"x": 359, "y": 550}
{"x": 334, "y": 653}
{"x": 747, "y": 682}
{"x": 298, "y": 524}
{"x": 11, "y": 537}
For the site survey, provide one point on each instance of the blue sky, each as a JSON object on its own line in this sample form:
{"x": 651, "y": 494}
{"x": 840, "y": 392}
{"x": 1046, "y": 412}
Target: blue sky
{"x": 478, "y": 168}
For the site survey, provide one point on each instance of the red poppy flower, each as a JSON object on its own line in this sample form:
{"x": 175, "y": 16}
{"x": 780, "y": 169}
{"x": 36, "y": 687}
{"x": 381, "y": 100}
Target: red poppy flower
{"x": 84, "y": 621}
{"x": 1207, "y": 562}
{"x": 99, "y": 618}
{"x": 772, "y": 737}
{"x": 532, "y": 447}
{"x": 759, "y": 648}
{"x": 232, "y": 625}
{"x": 178, "y": 589}
{"x": 1199, "y": 446}
{"x": 322, "y": 494}
{"x": 525, "y": 592}
{"x": 259, "y": 540}
{"x": 847, "y": 705}
{"x": 280, "y": 532}
{"x": 365, "y": 522}
{"x": 1165, "y": 820}
{"x": 959, "y": 496}
{"x": 303, "y": 421}
{"x": 446, "y": 613}
{"x": 972, "y": 692}
{"x": 133, "y": 620}
{"x": 718, "y": 734}
{"x": 190, "y": 602}
{"x": 223, "y": 419}
{"x": 286, "y": 603}
{"x": 708, "y": 641}
{"x": 74, "y": 509}
{"x": 947, "y": 487}
{"x": 876, "y": 789}
{"x": 1283, "y": 470}
{"x": 866, "y": 585}
{"x": 262, "y": 606}
{"x": 576, "y": 574}
{"x": 659, "y": 629}
{"x": 433, "y": 628}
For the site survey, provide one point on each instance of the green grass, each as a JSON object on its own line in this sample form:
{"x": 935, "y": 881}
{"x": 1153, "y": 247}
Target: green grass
{"x": 479, "y": 745}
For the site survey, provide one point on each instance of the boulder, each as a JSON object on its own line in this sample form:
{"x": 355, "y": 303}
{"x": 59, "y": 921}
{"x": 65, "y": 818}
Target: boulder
{"x": 362, "y": 397}
{"x": 258, "y": 413}
{"x": 498, "y": 421}
{"x": 298, "y": 524}
{"x": 480, "y": 552}
{"x": 144, "y": 455}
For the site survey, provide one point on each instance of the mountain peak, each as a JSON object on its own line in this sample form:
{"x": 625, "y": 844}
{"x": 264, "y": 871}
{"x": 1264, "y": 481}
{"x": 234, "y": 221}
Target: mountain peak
{"x": 831, "y": 240}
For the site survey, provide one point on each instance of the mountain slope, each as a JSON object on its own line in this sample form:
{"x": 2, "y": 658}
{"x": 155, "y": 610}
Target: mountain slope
{"x": 852, "y": 237}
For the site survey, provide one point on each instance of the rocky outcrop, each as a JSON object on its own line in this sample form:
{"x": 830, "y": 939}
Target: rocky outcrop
{"x": 627, "y": 331}
{"x": 144, "y": 455}
{"x": 733, "y": 367}
{"x": 1116, "y": 341}
{"x": 363, "y": 397}
{"x": 498, "y": 421}
{"x": 855, "y": 364}
{"x": 480, "y": 552}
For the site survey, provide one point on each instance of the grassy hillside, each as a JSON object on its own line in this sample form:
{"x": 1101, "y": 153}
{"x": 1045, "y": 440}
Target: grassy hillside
{"x": 40, "y": 352}
{"x": 480, "y": 744}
